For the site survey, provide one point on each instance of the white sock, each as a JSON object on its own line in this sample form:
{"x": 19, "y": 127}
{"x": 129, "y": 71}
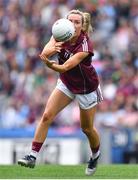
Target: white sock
{"x": 95, "y": 155}
{"x": 34, "y": 154}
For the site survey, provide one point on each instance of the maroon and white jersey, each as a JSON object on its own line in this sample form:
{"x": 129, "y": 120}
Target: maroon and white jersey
{"x": 82, "y": 79}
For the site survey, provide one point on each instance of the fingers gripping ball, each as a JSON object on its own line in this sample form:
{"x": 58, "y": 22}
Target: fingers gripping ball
{"x": 63, "y": 30}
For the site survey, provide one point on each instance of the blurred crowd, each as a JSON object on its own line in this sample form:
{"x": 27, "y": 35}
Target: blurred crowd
{"x": 26, "y": 83}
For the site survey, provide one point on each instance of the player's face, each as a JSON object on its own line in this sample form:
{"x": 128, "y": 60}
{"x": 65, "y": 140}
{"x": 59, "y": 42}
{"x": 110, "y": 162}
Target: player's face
{"x": 76, "y": 19}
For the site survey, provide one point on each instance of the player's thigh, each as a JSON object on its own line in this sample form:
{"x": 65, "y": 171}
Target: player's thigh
{"x": 57, "y": 101}
{"x": 87, "y": 117}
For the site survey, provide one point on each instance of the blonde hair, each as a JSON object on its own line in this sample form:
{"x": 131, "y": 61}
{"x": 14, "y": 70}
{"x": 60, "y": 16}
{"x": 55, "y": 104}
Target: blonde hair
{"x": 87, "y": 27}
{"x": 86, "y": 20}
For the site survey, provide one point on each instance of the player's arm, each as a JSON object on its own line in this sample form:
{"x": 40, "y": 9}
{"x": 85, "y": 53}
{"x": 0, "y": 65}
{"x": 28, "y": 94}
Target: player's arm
{"x": 69, "y": 64}
{"x": 51, "y": 48}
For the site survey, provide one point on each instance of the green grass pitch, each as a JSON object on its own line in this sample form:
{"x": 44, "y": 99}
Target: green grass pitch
{"x": 68, "y": 172}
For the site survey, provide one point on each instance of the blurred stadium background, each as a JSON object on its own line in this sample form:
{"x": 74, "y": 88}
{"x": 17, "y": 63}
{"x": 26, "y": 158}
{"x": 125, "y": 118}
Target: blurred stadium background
{"x": 25, "y": 82}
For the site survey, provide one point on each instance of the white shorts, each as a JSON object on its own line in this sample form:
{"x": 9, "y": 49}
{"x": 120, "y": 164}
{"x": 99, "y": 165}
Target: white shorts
{"x": 86, "y": 101}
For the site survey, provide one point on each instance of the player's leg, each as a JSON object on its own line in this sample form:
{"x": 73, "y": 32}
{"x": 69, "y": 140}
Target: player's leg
{"x": 87, "y": 121}
{"x": 87, "y": 103}
{"x": 56, "y": 102}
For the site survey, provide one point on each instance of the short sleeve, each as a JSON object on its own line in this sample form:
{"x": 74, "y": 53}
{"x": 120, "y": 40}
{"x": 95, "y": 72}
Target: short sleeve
{"x": 86, "y": 46}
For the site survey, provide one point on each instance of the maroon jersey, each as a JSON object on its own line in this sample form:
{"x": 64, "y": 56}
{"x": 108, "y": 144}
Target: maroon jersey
{"x": 82, "y": 79}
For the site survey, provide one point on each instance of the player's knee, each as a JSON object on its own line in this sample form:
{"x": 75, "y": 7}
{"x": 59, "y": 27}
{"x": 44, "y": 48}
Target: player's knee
{"x": 47, "y": 117}
{"x": 87, "y": 131}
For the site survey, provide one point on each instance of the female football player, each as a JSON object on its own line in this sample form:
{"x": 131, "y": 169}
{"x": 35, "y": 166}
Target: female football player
{"x": 77, "y": 80}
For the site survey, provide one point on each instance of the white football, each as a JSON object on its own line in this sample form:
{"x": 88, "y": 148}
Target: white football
{"x": 63, "y": 29}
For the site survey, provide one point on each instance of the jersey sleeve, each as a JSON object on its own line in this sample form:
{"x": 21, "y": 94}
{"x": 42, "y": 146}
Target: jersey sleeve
{"x": 86, "y": 46}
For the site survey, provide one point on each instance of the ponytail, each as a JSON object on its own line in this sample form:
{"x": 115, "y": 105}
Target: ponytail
{"x": 87, "y": 27}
